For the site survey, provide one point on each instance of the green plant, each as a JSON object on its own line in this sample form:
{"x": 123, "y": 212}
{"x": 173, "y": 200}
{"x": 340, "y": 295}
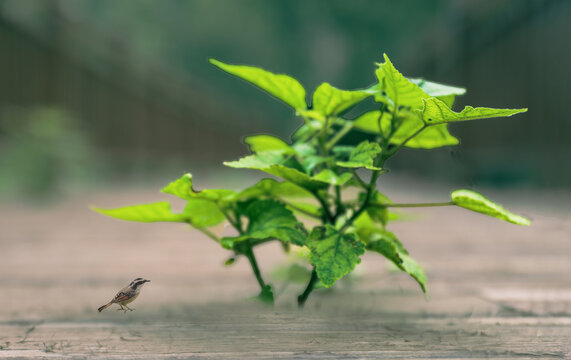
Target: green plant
{"x": 411, "y": 113}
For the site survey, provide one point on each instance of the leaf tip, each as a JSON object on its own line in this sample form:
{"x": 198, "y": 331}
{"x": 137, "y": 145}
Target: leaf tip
{"x": 215, "y": 62}
{"x": 96, "y": 209}
{"x": 523, "y": 221}
{"x": 519, "y": 111}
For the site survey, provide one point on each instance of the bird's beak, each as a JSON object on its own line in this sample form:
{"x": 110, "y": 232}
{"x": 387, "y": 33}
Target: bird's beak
{"x": 147, "y": 280}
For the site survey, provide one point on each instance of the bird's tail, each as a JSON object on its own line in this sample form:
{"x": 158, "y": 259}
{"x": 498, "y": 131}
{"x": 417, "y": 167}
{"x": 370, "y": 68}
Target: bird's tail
{"x": 105, "y": 306}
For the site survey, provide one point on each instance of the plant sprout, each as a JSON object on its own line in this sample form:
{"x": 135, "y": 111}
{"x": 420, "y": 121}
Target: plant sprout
{"x": 315, "y": 177}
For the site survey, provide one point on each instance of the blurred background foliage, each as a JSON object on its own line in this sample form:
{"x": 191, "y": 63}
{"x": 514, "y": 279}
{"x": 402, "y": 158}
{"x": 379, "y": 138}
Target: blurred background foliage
{"x": 106, "y": 91}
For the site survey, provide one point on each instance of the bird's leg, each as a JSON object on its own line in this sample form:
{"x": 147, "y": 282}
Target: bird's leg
{"x": 122, "y": 308}
{"x": 128, "y": 308}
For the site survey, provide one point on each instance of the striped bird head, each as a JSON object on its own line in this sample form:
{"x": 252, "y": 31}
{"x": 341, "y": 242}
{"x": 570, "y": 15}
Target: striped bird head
{"x": 138, "y": 282}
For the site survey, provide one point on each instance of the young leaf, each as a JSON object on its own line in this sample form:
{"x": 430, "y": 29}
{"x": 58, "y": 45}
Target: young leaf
{"x": 362, "y": 156}
{"x": 330, "y": 177}
{"x": 270, "y": 162}
{"x": 182, "y": 188}
{"x": 260, "y": 143}
{"x": 156, "y": 212}
{"x": 471, "y": 200}
{"x": 269, "y": 219}
{"x": 437, "y": 112}
{"x": 330, "y": 101}
{"x": 407, "y": 94}
{"x": 399, "y": 89}
{"x": 333, "y": 254}
{"x": 283, "y": 87}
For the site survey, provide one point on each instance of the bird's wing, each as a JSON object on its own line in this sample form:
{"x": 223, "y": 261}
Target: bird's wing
{"x": 122, "y": 296}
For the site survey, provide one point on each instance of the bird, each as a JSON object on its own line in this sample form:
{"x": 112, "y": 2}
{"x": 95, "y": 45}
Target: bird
{"x": 126, "y": 295}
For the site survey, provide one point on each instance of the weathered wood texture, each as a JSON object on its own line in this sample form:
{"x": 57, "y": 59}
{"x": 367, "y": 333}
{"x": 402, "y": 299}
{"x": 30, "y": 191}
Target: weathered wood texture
{"x": 496, "y": 291}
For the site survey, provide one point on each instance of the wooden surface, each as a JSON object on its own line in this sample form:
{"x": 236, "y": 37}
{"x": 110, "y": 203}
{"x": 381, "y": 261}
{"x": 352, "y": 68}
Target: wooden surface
{"x": 496, "y": 291}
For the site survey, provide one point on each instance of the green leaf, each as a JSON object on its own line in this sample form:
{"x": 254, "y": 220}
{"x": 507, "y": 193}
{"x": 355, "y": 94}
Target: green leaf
{"x": 436, "y": 89}
{"x": 333, "y": 254}
{"x": 408, "y": 96}
{"x": 369, "y": 121}
{"x": 270, "y": 162}
{"x": 387, "y": 244}
{"x": 269, "y": 219}
{"x": 437, "y": 112}
{"x": 390, "y": 247}
{"x": 306, "y": 131}
{"x": 198, "y": 213}
{"x": 330, "y": 101}
{"x": 343, "y": 151}
{"x": 283, "y": 87}
{"x": 309, "y": 162}
{"x": 330, "y": 177}
{"x": 156, "y": 212}
{"x": 314, "y": 117}
{"x": 401, "y": 91}
{"x": 182, "y": 188}
{"x": 273, "y": 188}
{"x": 429, "y": 138}
{"x": 203, "y": 213}
{"x": 362, "y": 156}
{"x": 445, "y": 93}
{"x": 260, "y": 143}
{"x": 474, "y": 201}
{"x": 262, "y": 160}
{"x": 296, "y": 177}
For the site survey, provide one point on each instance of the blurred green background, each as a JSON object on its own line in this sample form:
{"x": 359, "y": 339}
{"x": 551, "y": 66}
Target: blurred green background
{"x": 104, "y": 92}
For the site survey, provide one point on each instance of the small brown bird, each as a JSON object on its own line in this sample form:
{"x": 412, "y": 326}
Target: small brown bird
{"x": 126, "y": 295}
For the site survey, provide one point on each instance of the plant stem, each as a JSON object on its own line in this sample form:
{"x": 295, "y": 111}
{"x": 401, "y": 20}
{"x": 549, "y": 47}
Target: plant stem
{"x": 232, "y": 222}
{"x": 339, "y": 135}
{"x": 399, "y": 146}
{"x": 339, "y": 208}
{"x": 370, "y": 188}
{"x": 412, "y": 205}
{"x": 323, "y": 137}
{"x": 247, "y": 249}
{"x": 303, "y": 297}
{"x": 358, "y": 178}
{"x": 252, "y": 258}
{"x": 209, "y": 234}
{"x": 326, "y": 211}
